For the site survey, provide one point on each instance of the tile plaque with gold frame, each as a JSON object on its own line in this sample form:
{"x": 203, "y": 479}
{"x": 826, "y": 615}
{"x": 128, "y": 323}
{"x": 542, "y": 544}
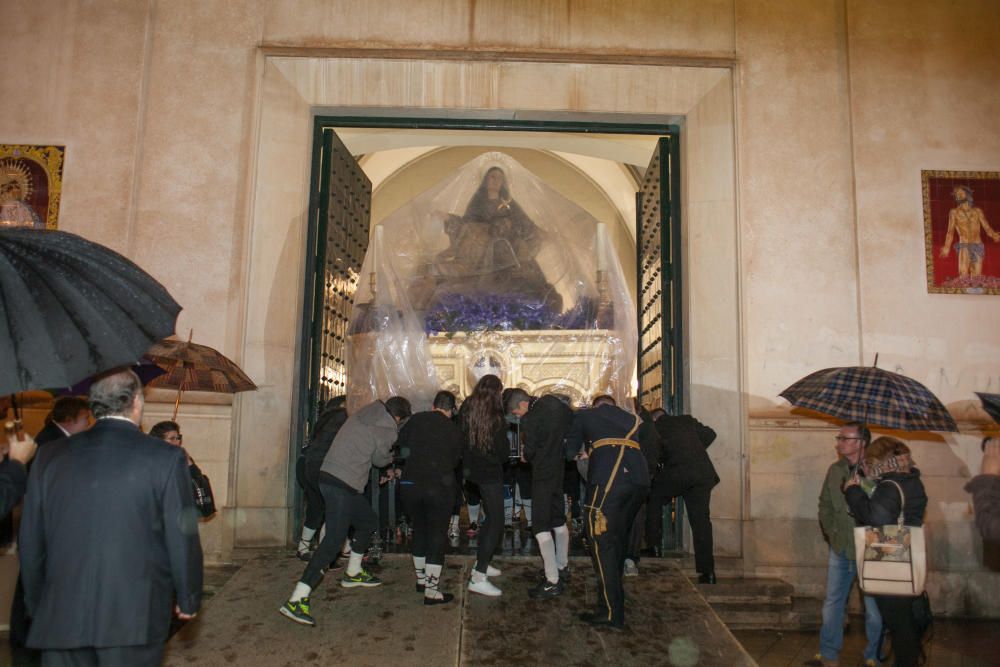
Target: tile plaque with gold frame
{"x": 30, "y": 185}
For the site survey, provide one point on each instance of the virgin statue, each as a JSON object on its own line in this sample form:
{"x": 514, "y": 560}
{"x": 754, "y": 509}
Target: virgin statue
{"x": 492, "y": 248}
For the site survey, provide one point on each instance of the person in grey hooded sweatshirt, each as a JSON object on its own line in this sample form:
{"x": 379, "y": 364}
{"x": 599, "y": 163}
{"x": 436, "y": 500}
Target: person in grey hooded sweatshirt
{"x": 365, "y": 440}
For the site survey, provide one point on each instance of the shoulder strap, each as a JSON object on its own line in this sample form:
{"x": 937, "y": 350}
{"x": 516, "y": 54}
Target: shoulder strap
{"x": 902, "y": 500}
{"x": 635, "y": 427}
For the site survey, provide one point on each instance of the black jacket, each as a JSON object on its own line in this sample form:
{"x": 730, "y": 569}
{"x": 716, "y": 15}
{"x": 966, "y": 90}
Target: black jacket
{"x": 13, "y": 477}
{"x": 684, "y": 440}
{"x": 431, "y": 444}
{"x": 882, "y": 509}
{"x": 109, "y": 538}
{"x": 50, "y": 433}
{"x": 544, "y": 429}
{"x": 487, "y": 467}
{"x": 609, "y": 421}
{"x": 319, "y": 444}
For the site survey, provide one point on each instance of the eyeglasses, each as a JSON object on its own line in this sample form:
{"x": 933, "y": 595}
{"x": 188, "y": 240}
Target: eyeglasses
{"x": 842, "y": 438}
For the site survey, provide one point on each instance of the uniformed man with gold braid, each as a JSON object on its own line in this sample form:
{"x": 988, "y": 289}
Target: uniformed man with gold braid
{"x": 618, "y": 445}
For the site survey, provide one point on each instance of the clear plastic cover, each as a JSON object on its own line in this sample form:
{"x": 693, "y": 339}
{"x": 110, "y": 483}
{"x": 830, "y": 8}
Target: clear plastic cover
{"x": 490, "y": 271}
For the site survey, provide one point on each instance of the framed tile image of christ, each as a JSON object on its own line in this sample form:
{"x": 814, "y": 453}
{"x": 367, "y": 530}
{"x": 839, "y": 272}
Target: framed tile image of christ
{"x": 962, "y": 231}
{"x": 30, "y": 185}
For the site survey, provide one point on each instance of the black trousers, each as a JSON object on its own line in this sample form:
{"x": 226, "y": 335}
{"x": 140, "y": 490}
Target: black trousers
{"x": 634, "y": 545}
{"x": 344, "y": 508}
{"x": 315, "y": 505}
{"x": 146, "y": 655}
{"x": 548, "y": 510}
{"x": 491, "y": 528}
{"x": 697, "y": 504}
{"x": 608, "y": 550}
{"x": 897, "y": 615}
{"x": 429, "y": 510}
{"x": 571, "y": 487}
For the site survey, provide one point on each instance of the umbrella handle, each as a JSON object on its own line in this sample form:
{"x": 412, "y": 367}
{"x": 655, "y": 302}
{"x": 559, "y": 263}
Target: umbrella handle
{"x": 177, "y": 405}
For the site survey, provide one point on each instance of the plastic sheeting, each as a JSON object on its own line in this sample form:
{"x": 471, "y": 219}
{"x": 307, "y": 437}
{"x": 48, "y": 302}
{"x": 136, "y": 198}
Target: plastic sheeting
{"x": 490, "y": 271}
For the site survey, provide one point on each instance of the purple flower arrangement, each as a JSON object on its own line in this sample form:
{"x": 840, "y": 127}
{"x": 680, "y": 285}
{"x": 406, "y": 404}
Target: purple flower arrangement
{"x": 504, "y": 312}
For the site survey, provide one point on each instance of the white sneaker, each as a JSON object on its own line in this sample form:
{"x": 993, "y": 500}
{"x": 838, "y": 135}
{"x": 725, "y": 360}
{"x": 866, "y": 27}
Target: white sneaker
{"x": 492, "y": 571}
{"x": 484, "y": 587}
{"x": 631, "y": 569}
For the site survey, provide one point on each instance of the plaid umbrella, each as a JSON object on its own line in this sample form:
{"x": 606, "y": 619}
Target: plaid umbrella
{"x": 871, "y": 395}
{"x": 193, "y": 367}
{"x": 991, "y": 403}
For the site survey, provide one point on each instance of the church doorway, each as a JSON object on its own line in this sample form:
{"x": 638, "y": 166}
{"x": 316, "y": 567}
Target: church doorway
{"x": 365, "y": 165}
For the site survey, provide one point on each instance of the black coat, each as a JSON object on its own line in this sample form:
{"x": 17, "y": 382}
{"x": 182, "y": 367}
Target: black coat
{"x": 109, "y": 537}
{"x": 50, "y": 433}
{"x": 882, "y": 509}
{"x": 13, "y": 477}
{"x": 683, "y": 440}
{"x": 327, "y": 426}
{"x": 609, "y": 421}
{"x": 486, "y": 467}
{"x": 544, "y": 429}
{"x": 431, "y": 444}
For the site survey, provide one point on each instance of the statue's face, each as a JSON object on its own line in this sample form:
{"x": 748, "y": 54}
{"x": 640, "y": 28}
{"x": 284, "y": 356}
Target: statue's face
{"x": 494, "y": 180}
{"x": 961, "y": 195}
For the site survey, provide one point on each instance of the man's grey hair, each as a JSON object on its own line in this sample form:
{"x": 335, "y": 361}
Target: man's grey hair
{"x": 112, "y": 395}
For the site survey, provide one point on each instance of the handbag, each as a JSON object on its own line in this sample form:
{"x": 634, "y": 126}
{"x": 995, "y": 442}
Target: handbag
{"x": 891, "y": 560}
{"x": 204, "y": 499}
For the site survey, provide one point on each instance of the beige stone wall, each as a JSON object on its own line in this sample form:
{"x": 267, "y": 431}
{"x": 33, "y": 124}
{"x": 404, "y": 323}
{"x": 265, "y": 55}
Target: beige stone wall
{"x": 188, "y": 149}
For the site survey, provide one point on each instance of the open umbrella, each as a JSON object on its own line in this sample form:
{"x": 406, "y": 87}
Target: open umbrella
{"x": 991, "y": 403}
{"x": 144, "y": 368}
{"x": 70, "y": 308}
{"x": 193, "y": 367}
{"x": 870, "y": 395}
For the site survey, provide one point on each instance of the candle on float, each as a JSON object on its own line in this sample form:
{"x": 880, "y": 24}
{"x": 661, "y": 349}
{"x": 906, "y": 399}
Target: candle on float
{"x": 601, "y": 247}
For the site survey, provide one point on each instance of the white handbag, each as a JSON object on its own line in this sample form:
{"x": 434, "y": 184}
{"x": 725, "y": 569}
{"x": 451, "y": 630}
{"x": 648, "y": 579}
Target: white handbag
{"x": 892, "y": 560}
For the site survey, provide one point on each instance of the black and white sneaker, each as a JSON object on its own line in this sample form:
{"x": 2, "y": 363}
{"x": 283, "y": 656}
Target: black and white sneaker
{"x": 298, "y": 611}
{"x": 546, "y": 590}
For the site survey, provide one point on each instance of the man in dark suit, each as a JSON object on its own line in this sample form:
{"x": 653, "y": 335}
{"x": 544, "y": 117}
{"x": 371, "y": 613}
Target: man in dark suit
{"x": 543, "y": 426}
{"x": 69, "y": 416}
{"x": 687, "y": 472}
{"x": 109, "y": 538}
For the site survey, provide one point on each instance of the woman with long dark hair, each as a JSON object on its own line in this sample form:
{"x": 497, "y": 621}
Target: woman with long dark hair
{"x": 486, "y": 449}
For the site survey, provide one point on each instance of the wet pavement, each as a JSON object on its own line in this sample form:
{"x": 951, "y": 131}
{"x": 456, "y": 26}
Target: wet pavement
{"x": 669, "y": 623}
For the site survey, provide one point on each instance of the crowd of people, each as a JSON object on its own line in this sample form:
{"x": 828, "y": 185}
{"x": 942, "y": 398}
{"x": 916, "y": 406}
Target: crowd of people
{"x": 108, "y": 508}
{"x": 500, "y": 443}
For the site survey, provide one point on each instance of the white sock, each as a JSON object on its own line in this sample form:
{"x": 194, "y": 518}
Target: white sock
{"x": 322, "y": 532}
{"x": 420, "y": 565}
{"x": 306, "y": 539}
{"x": 547, "y": 549}
{"x": 562, "y": 546}
{"x": 433, "y": 581}
{"x": 526, "y": 504}
{"x": 301, "y": 591}
{"x": 473, "y": 513}
{"x": 354, "y": 563}
{"x": 478, "y": 577}
{"x": 346, "y": 549}
{"x": 454, "y": 522}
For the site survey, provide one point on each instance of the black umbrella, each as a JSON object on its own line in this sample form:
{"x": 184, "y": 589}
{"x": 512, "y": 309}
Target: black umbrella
{"x": 991, "y": 403}
{"x": 145, "y": 368}
{"x": 70, "y": 308}
{"x": 873, "y": 396}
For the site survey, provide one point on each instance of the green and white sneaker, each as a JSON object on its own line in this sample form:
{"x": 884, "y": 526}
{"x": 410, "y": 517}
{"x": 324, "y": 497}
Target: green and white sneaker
{"x": 298, "y": 612}
{"x": 362, "y": 578}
